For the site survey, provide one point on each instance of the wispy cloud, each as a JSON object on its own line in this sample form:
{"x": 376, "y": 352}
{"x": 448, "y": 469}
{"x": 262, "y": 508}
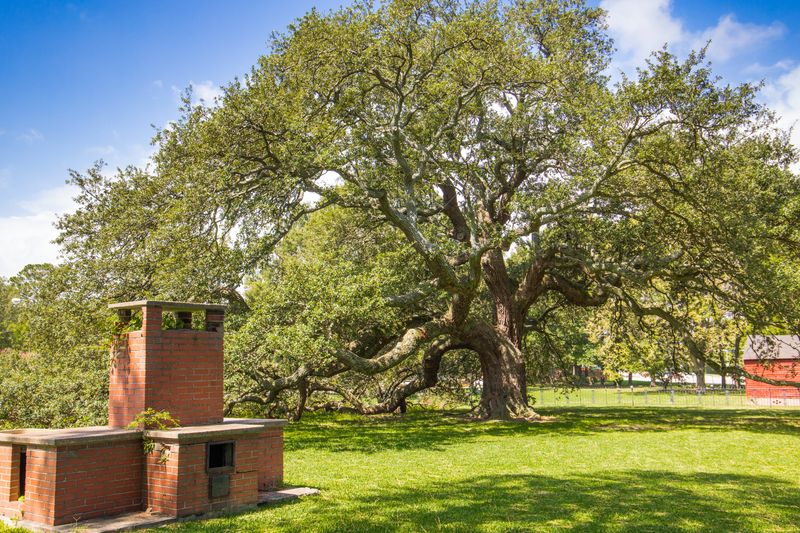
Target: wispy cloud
{"x": 783, "y": 96}
{"x": 730, "y": 37}
{"x": 103, "y": 151}
{"x": 203, "y": 93}
{"x": 641, "y": 27}
{"x": 30, "y": 136}
{"x": 758, "y": 69}
{"x": 207, "y": 92}
{"x": 27, "y": 238}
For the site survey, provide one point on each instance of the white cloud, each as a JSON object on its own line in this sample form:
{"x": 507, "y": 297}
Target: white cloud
{"x": 203, "y": 93}
{"x": 102, "y": 151}
{"x": 207, "y": 91}
{"x": 731, "y": 37}
{"x": 27, "y": 238}
{"x": 779, "y": 66}
{"x": 327, "y": 179}
{"x": 783, "y": 96}
{"x": 30, "y": 136}
{"x": 640, "y": 27}
{"x": 5, "y": 174}
{"x": 158, "y": 84}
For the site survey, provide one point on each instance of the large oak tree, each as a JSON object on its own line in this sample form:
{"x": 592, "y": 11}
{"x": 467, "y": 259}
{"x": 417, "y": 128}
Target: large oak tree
{"x": 487, "y": 141}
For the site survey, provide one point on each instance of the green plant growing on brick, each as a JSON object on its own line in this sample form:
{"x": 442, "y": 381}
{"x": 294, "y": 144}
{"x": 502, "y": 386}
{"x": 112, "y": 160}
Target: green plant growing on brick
{"x": 152, "y": 419}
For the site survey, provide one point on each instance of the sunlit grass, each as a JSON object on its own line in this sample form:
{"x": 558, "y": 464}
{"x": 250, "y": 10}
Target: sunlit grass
{"x": 582, "y": 469}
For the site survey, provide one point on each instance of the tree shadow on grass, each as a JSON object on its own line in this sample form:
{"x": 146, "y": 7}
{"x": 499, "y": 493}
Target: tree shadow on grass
{"x": 638, "y": 500}
{"x": 642, "y": 500}
{"x": 435, "y": 430}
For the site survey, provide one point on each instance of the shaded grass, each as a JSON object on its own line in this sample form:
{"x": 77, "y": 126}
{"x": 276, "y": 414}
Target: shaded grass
{"x": 583, "y": 469}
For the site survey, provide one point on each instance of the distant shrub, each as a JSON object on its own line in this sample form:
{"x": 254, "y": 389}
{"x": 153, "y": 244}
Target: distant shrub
{"x": 52, "y": 391}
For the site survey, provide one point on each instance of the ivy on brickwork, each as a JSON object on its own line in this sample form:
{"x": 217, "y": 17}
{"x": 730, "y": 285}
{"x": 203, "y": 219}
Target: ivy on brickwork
{"x": 152, "y": 419}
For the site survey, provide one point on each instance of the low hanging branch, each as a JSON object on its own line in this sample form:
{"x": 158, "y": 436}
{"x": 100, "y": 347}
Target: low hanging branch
{"x": 678, "y": 326}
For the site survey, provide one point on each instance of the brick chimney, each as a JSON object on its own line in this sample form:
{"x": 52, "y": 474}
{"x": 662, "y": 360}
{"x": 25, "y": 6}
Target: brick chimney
{"x": 177, "y": 370}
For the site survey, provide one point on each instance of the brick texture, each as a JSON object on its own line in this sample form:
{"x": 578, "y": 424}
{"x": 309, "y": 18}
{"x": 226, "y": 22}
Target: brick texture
{"x": 270, "y": 470}
{"x": 98, "y": 480}
{"x": 40, "y": 485}
{"x": 179, "y": 371}
{"x": 180, "y": 487}
{"x": 9, "y": 480}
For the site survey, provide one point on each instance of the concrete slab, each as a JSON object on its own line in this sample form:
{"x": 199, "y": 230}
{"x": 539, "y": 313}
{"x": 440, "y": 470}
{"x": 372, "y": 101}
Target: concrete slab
{"x": 146, "y": 519}
{"x": 230, "y": 427}
{"x": 285, "y": 495}
{"x": 124, "y": 522}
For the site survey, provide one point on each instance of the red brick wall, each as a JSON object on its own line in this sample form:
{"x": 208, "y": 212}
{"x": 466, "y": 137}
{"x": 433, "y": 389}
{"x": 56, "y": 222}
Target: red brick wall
{"x": 175, "y": 370}
{"x": 9, "y": 480}
{"x": 40, "y": 485}
{"x": 126, "y": 391}
{"x": 180, "y": 487}
{"x": 270, "y": 461}
{"x": 786, "y": 370}
{"x": 66, "y": 484}
{"x": 161, "y": 481}
{"x": 98, "y": 480}
{"x": 184, "y": 376}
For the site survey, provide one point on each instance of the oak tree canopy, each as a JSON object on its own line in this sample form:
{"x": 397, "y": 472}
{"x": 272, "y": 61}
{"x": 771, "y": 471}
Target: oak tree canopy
{"x": 401, "y": 181}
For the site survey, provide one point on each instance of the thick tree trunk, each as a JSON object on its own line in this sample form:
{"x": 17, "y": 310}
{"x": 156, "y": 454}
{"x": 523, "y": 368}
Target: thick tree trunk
{"x": 700, "y": 374}
{"x": 504, "y": 393}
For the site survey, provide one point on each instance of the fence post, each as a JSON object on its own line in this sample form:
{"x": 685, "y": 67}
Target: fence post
{"x": 592, "y": 396}
{"x": 645, "y": 397}
{"x": 727, "y": 397}
{"x": 672, "y": 396}
{"x": 619, "y": 395}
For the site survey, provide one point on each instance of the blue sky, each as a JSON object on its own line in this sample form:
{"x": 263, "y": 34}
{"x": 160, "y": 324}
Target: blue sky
{"x": 81, "y": 81}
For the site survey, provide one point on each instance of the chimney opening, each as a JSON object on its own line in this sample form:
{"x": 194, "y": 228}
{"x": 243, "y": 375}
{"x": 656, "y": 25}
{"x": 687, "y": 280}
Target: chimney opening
{"x": 178, "y": 320}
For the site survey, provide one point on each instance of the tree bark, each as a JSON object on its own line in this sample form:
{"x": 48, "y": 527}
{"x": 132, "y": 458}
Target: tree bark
{"x": 700, "y": 374}
{"x": 504, "y": 392}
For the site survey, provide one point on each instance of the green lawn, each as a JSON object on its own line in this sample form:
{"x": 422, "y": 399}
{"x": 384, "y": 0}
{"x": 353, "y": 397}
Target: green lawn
{"x": 584, "y": 469}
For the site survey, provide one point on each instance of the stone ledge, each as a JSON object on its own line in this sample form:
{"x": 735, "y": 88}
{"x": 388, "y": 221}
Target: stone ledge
{"x": 229, "y": 428}
{"x": 168, "y": 305}
{"x": 68, "y": 437}
{"x": 263, "y": 422}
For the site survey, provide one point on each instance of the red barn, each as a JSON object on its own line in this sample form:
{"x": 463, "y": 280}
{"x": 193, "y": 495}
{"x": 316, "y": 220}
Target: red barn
{"x": 775, "y": 357}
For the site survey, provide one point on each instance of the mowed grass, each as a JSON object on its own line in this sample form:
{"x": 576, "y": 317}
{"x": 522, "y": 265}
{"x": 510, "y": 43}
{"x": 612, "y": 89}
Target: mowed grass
{"x": 582, "y": 469}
